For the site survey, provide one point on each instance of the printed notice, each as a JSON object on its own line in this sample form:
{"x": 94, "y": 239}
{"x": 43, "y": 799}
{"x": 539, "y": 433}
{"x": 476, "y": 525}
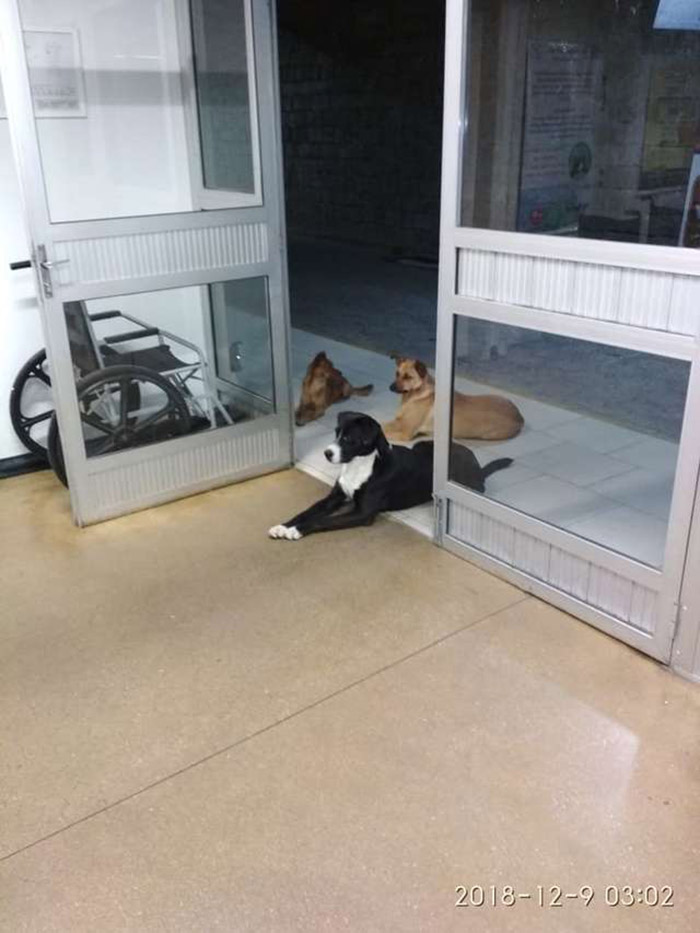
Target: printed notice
{"x": 563, "y": 95}
{"x": 55, "y": 73}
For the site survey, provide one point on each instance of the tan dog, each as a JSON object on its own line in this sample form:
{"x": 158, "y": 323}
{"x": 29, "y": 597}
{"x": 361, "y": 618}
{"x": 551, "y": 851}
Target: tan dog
{"x": 323, "y": 385}
{"x": 487, "y": 417}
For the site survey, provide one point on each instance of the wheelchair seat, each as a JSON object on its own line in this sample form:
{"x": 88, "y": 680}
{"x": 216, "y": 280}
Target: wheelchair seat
{"x": 160, "y": 358}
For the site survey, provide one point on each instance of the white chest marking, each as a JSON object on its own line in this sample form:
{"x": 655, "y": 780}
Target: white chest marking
{"x": 356, "y": 473}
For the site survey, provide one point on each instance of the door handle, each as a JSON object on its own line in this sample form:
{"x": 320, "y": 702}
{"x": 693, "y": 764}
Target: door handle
{"x": 50, "y": 263}
{"x": 45, "y": 267}
{"x": 23, "y": 264}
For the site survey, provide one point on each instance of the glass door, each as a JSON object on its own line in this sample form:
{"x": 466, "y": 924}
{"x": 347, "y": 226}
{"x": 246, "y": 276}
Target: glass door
{"x": 147, "y": 139}
{"x": 569, "y": 302}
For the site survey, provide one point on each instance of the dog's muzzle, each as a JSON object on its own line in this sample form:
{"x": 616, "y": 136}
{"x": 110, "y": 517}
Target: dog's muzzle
{"x": 394, "y": 388}
{"x": 332, "y": 453}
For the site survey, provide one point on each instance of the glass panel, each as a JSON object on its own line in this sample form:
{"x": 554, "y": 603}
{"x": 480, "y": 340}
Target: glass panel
{"x": 241, "y": 326}
{"x": 150, "y": 366}
{"x": 596, "y": 451}
{"x": 221, "y": 74}
{"x": 584, "y": 120}
{"x": 112, "y": 120}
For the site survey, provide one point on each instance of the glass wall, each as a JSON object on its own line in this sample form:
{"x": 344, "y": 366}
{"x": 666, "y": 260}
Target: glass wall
{"x": 584, "y": 120}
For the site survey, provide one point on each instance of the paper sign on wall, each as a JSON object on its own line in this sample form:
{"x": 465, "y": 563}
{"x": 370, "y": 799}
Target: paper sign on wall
{"x": 55, "y": 73}
{"x": 671, "y": 129}
{"x": 562, "y": 99}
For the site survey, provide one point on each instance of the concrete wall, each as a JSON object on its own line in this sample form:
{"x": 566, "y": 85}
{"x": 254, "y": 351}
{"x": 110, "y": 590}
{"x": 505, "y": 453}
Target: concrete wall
{"x": 362, "y": 121}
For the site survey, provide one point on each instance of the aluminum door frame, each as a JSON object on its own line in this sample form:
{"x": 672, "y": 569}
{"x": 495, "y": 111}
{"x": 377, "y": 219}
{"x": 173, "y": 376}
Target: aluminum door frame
{"x": 240, "y": 242}
{"x": 506, "y": 541}
{"x": 685, "y": 658}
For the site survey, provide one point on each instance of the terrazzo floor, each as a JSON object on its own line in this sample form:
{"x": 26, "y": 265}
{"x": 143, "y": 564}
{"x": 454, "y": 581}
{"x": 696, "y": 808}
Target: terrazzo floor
{"x": 204, "y": 730}
{"x": 604, "y": 482}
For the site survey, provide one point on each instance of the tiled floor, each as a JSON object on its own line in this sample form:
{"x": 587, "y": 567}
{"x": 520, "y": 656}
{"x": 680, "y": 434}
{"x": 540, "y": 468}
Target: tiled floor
{"x": 206, "y": 730}
{"x": 353, "y": 294}
{"x": 596, "y": 479}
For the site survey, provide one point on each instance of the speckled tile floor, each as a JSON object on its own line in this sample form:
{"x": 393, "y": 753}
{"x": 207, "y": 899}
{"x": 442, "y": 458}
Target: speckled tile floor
{"x": 203, "y": 729}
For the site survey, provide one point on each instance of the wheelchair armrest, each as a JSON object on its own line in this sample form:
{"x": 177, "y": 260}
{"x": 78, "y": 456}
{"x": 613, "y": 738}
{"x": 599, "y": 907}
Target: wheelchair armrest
{"x": 104, "y": 315}
{"x": 132, "y": 335}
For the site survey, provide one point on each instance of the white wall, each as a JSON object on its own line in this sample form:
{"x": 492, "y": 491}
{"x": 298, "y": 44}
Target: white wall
{"x": 20, "y": 328}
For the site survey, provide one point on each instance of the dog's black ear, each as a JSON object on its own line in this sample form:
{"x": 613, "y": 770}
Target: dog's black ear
{"x": 421, "y": 369}
{"x": 344, "y": 417}
{"x": 375, "y": 436}
{"x": 383, "y": 445}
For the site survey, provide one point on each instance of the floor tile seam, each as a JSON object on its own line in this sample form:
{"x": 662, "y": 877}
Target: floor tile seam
{"x": 296, "y": 714}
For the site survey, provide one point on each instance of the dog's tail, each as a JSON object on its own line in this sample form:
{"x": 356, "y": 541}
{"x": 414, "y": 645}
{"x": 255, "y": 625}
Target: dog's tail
{"x": 362, "y": 390}
{"x": 495, "y": 465}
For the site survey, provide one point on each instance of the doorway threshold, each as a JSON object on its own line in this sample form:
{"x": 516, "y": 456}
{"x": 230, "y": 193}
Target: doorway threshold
{"x": 420, "y": 518}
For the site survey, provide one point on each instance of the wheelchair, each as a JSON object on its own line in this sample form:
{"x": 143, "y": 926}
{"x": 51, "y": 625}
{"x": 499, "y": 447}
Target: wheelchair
{"x": 127, "y": 397}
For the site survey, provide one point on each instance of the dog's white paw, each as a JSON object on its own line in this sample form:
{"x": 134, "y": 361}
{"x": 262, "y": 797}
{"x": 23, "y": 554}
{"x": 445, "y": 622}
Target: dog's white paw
{"x": 282, "y": 531}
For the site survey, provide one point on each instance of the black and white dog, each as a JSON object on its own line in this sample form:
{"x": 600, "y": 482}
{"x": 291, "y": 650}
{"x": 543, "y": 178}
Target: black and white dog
{"x": 376, "y": 477}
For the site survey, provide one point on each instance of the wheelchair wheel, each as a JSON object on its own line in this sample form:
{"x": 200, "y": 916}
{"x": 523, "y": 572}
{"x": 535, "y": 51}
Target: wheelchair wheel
{"x": 31, "y": 404}
{"x": 111, "y": 421}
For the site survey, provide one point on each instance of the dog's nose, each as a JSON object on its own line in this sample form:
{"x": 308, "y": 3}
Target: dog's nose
{"x": 328, "y": 454}
{"x": 393, "y": 387}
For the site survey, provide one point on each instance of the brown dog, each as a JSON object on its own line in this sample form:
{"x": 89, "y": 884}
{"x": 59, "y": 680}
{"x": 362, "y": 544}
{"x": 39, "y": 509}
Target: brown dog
{"x": 487, "y": 417}
{"x": 323, "y": 385}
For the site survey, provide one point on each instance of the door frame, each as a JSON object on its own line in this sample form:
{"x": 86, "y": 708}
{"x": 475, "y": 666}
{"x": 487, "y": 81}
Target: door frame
{"x": 685, "y": 657}
{"x": 658, "y": 591}
{"x": 205, "y": 459}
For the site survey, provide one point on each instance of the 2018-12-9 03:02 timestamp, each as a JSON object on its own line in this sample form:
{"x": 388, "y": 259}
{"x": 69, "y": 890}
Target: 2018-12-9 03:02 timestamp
{"x": 553, "y": 896}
